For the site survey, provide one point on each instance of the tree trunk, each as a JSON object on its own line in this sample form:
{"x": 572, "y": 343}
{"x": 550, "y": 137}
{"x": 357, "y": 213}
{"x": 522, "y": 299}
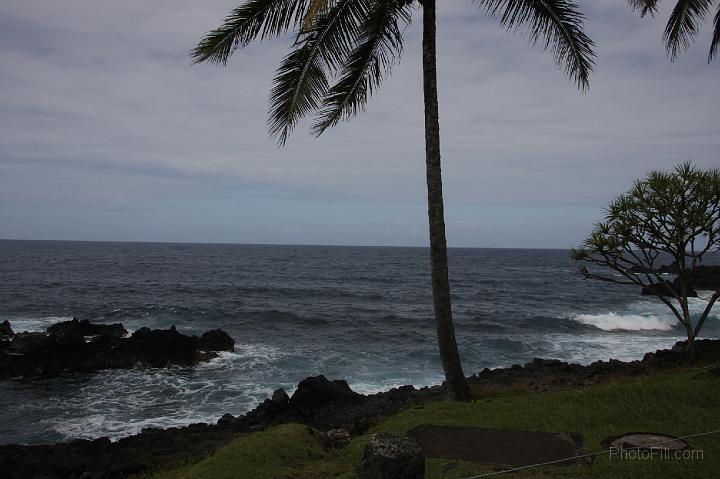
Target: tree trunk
{"x": 689, "y": 330}
{"x": 454, "y": 378}
{"x": 690, "y": 346}
{"x": 684, "y": 306}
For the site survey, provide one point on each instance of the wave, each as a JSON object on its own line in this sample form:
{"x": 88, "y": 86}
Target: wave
{"x": 326, "y": 292}
{"x": 120, "y": 403}
{"x": 507, "y": 345}
{"x": 647, "y": 315}
{"x": 626, "y": 322}
{"x": 39, "y": 324}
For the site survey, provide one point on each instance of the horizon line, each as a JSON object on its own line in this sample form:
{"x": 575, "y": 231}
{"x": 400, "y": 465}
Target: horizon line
{"x": 223, "y": 243}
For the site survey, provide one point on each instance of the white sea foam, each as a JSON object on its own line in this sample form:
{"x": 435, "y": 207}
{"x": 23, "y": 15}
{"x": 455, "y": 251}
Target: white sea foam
{"x": 646, "y": 314}
{"x": 381, "y": 386}
{"x": 151, "y": 398}
{"x": 233, "y": 382}
{"x": 257, "y": 351}
{"x": 630, "y": 322}
{"x": 604, "y": 346}
{"x": 99, "y": 425}
{"x": 40, "y": 324}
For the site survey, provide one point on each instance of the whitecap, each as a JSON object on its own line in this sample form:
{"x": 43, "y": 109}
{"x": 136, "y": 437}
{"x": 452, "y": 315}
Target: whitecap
{"x": 39, "y": 324}
{"x": 629, "y": 322}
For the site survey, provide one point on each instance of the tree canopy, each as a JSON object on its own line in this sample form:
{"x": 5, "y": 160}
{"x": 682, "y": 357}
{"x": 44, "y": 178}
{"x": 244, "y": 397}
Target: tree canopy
{"x": 344, "y": 49}
{"x": 664, "y": 216}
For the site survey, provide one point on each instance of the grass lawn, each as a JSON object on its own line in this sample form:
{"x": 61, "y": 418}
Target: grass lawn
{"x": 679, "y": 403}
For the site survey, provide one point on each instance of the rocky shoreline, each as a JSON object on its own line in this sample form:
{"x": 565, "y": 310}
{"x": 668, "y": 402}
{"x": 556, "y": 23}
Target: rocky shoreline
{"x": 330, "y": 407}
{"x": 545, "y": 374}
{"x": 83, "y": 347}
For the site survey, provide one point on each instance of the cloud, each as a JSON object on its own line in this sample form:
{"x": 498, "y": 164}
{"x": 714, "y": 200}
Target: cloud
{"x": 101, "y": 110}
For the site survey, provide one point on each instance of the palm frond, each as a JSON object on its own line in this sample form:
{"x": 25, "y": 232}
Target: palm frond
{"x": 379, "y": 46}
{"x": 558, "y": 24}
{"x": 301, "y": 80}
{"x": 683, "y": 25}
{"x": 716, "y": 36}
{"x": 254, "y": 19}
{"x": 290, "y": 99}
{"x": 644, "y": 6}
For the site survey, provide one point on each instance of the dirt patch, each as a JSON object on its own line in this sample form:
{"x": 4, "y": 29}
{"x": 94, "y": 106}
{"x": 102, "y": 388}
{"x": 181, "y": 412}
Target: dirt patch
{"x": 496, "y": 446}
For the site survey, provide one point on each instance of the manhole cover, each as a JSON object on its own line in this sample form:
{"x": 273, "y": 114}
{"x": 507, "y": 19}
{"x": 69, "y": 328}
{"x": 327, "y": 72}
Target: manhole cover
{"x": 647, "y": 441}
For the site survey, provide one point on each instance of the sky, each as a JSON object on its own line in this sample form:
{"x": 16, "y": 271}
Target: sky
{"x": 108, "y": 132}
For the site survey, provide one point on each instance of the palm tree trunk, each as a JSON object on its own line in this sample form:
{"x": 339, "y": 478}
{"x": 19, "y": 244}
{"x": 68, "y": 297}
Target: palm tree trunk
{"x": 454, "y": 378}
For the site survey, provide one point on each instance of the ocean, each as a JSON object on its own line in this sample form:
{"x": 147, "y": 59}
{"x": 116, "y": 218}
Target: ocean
{"x": 363, "y": 314}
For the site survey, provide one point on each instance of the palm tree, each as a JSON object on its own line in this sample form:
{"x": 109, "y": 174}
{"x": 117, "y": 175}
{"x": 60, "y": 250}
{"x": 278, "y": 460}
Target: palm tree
{"x": 343, "y": 49}
{"x": 684, "y": 23}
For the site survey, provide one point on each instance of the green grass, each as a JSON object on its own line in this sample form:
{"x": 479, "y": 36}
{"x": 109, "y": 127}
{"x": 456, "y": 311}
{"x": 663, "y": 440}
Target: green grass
{"x": 678, "y": 403}
{"x": 285, "y": 451}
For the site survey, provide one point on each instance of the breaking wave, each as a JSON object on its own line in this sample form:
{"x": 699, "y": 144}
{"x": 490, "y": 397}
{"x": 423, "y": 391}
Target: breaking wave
{"x": 626, "y": 322}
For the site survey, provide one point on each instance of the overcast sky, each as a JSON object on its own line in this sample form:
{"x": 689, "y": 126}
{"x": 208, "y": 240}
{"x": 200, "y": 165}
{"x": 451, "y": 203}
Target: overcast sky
{"x": 107, "y": 132}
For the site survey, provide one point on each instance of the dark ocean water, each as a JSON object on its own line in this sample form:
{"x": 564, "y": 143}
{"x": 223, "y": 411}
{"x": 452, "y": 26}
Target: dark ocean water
{"x": 359, "y": 313}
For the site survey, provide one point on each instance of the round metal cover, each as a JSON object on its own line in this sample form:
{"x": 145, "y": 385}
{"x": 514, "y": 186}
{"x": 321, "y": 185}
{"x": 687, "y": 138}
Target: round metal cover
{"x": 649, "y": 441}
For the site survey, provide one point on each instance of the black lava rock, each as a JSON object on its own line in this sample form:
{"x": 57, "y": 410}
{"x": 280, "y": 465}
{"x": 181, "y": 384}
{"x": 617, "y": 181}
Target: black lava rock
{"x": 661, "y": 289}
{"x": 705, "y": 277}
{"x": 86, "y": 328}
{"x": 5, "y": 330}
{"x": 65, "y": 350}
{"x": 217, "y": 340}
{"x": 159, "y": 348}
{"x": 388, "y": 456}
{"x": 316, "y": 392}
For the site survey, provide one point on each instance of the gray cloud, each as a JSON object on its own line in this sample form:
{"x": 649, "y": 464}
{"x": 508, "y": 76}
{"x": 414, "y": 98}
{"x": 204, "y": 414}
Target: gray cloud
{"x": 105, "y": 123}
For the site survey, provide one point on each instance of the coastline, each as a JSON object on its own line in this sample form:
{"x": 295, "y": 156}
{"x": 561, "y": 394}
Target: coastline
{"x": 367, "y": 321}
{"x": 323, "y": 405}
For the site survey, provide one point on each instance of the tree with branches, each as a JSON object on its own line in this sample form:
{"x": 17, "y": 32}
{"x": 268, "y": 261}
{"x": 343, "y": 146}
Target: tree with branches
{"x": 344, "y": 49}
{"x": 684, "y": 24}
{"x": 672, "y": 215}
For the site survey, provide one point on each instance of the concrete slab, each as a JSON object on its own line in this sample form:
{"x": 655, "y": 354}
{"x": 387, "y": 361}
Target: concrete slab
{"x": 496, "y": 446}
